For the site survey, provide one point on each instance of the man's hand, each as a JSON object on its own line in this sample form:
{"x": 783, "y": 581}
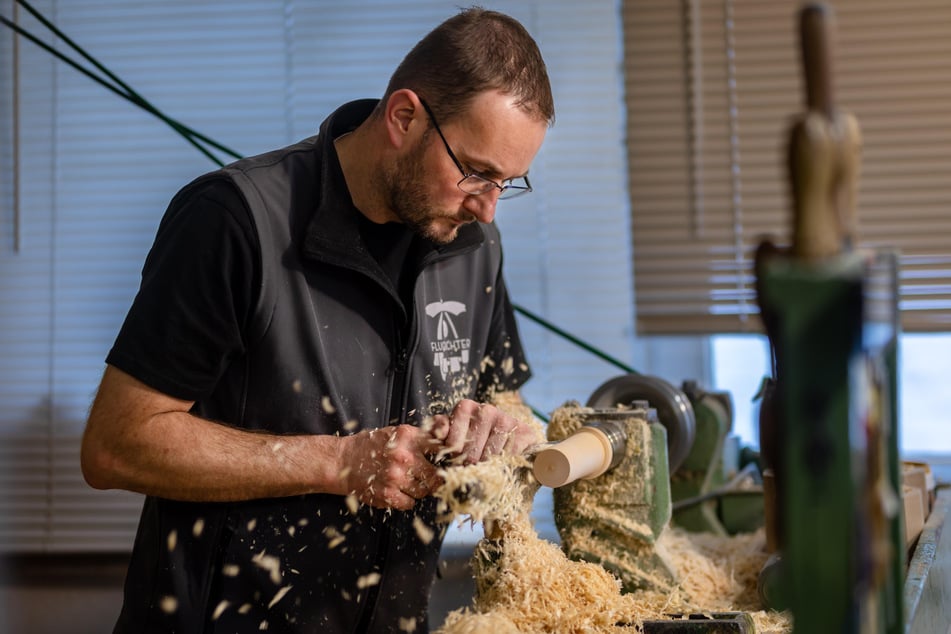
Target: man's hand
{"x": 474, "y": 431}
{"x": 390, "y": 467}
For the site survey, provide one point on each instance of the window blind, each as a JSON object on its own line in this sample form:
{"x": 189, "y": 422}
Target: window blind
{"x": 95, "y": 175}
{"x": 710, "y": 89}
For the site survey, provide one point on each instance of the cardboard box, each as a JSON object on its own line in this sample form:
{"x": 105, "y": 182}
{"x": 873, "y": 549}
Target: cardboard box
{"x": 914, "y": 511}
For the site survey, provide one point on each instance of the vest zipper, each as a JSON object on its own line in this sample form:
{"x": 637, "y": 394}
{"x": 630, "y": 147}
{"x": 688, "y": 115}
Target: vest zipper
{"x": 398, "y": 397}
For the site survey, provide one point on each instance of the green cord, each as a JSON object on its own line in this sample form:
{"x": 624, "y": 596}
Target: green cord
{"x": 538, "y": 414}
{"x": 575, "y": 340}
{"x": 144, "y": 105}
{"x": 132, "y": 93}
{"x": 126, "y": 91}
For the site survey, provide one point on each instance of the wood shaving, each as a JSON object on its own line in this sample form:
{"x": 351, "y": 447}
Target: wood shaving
{"x": 219, "y": 610}
{"x": 334, "y": 537}
{"x": 279, "y": 595}
{"x": 478, "y": 623}
{"x": 492, "y": 489}
{"x": 423, "y": 531}
{"x": 368, "y": 580}
{"x": 169, "y": 604}
{"x": 269, "y": 563}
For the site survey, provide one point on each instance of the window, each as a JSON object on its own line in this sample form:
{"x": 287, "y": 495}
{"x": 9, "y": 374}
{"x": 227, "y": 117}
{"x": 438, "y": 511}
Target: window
{"x": 741, "y": 361}
{"x": 711, "y": 87}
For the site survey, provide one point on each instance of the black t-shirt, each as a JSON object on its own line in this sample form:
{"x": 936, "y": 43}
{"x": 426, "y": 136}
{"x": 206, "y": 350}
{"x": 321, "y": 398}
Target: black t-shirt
{"x": 391, "y": 245}
{"x": 209, "y": 273}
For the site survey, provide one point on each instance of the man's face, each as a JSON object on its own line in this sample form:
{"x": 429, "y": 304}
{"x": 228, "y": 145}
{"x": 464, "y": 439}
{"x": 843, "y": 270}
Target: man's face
{"x": 409, "y": 198}
{"x": 494, "y": 139}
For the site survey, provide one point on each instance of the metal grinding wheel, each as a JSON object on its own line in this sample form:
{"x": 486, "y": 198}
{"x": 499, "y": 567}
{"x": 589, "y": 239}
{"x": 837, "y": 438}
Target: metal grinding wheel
{"x": 673, "y": 409}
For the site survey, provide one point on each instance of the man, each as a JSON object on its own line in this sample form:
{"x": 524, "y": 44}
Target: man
{"x": 315, "y": 328}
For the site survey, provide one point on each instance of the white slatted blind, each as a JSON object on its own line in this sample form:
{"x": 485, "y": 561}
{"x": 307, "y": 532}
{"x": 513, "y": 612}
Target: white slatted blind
{"x": 711, "y": 86}
{"x": 96, "y": 173}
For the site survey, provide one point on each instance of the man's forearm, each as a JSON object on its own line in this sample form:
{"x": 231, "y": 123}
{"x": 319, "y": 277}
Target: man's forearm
{"x": 143, "y": 441}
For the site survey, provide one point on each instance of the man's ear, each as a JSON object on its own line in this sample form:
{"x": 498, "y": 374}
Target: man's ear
{"x": 404, "y": 116}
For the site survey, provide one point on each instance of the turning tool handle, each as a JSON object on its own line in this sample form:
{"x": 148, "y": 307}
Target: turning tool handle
{"x": 824, "y": 150}
{"x": 816, "y": 25}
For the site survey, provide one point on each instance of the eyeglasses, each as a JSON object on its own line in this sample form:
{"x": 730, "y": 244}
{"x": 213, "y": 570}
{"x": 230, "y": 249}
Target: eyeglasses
{"x": 473, "y": 183}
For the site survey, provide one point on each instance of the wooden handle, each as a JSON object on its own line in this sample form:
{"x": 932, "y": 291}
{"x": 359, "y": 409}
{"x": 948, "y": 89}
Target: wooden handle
{"x": 824, "y": 150}
{"x": 813, "y": 172}
{"x": 816, "y": 27}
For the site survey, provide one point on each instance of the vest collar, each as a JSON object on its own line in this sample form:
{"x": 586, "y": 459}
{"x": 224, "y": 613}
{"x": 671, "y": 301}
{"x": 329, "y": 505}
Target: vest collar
{"x": 333, "y": 233}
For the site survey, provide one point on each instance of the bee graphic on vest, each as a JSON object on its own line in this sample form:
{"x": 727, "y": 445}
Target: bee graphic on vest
{"x": 450, "y": 351}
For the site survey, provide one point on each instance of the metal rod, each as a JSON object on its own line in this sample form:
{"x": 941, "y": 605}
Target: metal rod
{"x": 15, "y": 59}
{"x": 729, "y": 487}
{"x": 693, "y": 76}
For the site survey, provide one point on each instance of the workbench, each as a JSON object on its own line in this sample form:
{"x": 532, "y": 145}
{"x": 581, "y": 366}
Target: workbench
{"x": 928, "y": 583}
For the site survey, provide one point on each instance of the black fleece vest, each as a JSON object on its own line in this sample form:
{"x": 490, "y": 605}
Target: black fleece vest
{"x": 327, "y": 352}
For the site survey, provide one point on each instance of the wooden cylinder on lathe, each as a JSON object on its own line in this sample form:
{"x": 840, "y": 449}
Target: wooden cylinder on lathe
{"x": 589, "y": 452}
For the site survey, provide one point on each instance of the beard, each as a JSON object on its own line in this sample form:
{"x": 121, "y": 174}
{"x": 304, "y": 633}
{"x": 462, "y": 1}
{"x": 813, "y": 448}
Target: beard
{"x": 405, "y": 194}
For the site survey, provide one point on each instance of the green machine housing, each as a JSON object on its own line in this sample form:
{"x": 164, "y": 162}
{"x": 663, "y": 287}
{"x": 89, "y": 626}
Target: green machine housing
{"x": 831, "y": 437}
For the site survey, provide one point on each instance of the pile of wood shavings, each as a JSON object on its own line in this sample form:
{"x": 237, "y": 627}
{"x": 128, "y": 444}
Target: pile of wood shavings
{"x": 499, "y": 488}
{"x": 494, "y": 489}
{"x": 527, "y": 585}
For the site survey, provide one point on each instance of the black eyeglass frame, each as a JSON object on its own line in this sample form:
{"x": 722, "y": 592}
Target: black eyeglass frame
{"x": 482, "y": 184}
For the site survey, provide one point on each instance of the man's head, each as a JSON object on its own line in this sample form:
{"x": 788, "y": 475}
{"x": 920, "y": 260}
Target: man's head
{"x": 463, "y": 117}
{"x": 428, "y": 184}
{"x": 476, "y": 51}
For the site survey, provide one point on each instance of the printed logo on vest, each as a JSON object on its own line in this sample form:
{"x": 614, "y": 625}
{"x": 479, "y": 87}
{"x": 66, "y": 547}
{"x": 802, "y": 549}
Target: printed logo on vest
{"x": 450, "y": 351}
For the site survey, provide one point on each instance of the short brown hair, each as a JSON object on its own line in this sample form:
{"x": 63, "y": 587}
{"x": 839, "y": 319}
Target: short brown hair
{"x": 472, "y": 52}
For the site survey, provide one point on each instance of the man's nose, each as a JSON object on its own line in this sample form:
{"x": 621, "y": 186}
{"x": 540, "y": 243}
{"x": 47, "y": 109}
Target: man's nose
{"x": 482, "y": 206}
